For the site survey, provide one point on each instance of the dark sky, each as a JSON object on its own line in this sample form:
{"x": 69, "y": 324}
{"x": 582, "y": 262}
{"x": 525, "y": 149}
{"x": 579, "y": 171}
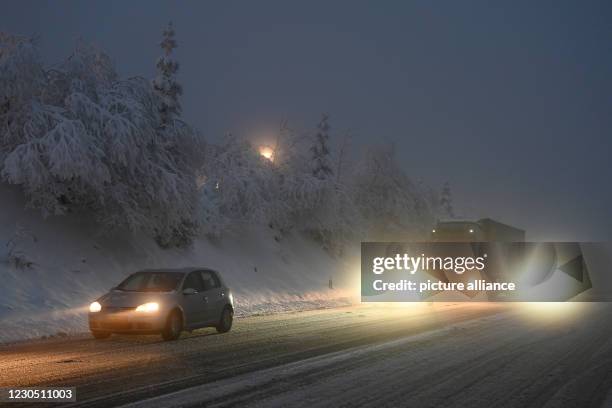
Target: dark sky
{"x": 510, "y": 102}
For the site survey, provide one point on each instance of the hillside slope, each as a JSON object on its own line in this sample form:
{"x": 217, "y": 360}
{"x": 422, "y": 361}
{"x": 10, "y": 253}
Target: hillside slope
{"x": 69, "y": 263}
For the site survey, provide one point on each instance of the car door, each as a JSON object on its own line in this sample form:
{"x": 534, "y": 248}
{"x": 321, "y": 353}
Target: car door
{"x": 215, "y": 295}
{"x": 195, "y": 305}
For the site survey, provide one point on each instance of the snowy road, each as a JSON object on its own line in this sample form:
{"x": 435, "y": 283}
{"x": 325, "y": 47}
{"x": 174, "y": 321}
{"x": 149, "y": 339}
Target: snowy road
{"x": 427, "y": 355}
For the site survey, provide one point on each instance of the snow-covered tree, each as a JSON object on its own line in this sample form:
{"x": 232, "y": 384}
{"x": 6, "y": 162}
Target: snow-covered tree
{"x": 242, "y": 188}
{"x": 321, "y": 167}
{"x": 77, "y": 138}
{"x": 391, "y": 205}
{"x": 312, "y": 202}
{"x": 165, "y": 82}
{"x": 90, "y": 142}
{"x": 239, "y": 188}
{"x": 446, "y": 201}
{"x": 343, "y": 157}
{"x": 22, "y": 79}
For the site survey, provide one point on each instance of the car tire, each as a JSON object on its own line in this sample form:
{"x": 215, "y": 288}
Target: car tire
{"x": 99, "y": 335}
{"x": 225, "y": 321}
{"x": 174, "y": 326}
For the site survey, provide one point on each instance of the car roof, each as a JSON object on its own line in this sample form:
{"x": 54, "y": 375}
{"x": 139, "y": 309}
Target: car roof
{"x": 178, "y": 270}
{"x": 457, "y": 222}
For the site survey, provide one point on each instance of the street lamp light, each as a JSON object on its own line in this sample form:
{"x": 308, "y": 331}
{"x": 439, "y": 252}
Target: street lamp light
{"x": 267, "y": 152}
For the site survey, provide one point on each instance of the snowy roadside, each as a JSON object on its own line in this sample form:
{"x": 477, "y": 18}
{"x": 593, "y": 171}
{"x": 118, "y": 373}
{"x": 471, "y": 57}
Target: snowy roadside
{"x": 73, "y": 323}
{"x": 66, "y": 265}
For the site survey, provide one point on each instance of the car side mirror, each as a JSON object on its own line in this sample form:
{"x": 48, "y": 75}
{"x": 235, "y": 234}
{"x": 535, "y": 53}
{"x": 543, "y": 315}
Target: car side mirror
{"x": 189, "y": 291}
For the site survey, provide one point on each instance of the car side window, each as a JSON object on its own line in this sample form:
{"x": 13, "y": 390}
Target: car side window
{"x": 210, "y": 280}
{"x": 194, "y": 281}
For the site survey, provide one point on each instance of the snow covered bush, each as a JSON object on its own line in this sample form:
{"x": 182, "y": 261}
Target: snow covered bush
{"x": 14, "y": 253}
{"x": 89, "y": 142}
{"x": 240, "y": 187}
{"x": 291, "y": 192}
{"x": 302, "y": 190}
{"x": 392, "y": 205}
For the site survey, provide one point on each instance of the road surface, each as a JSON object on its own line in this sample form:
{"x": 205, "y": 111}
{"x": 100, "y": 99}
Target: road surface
{"x": 455, "y": 355}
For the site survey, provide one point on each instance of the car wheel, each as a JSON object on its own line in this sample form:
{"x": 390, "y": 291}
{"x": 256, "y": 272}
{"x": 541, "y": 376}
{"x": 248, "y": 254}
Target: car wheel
{"x": 100, "y": 334}
{"x": 225, "y": 322}
{"x": 174, "y": 326}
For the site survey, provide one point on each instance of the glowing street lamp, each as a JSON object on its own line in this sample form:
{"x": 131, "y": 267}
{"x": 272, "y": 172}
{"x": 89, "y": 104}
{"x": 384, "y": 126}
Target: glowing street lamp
{"x": 267, "y": 152}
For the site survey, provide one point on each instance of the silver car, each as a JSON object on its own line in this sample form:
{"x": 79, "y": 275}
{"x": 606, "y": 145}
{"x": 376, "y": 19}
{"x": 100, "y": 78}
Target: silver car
{"x": 164, "y": 301}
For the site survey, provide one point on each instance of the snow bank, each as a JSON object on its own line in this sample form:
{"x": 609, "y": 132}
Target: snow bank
{"x": 51, "y": 269}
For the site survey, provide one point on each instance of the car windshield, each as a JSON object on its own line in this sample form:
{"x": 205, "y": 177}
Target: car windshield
{"x": 151, "y": 282}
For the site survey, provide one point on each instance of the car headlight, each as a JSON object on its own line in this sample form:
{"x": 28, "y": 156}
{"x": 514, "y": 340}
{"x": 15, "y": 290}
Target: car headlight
{"x": 148, "y": 307}
{"x": 95, "y": 307}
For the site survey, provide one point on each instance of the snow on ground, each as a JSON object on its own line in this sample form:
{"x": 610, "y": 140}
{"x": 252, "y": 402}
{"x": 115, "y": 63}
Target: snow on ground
{"x": 517, "y": 358}
{"x": 72, "y": 264}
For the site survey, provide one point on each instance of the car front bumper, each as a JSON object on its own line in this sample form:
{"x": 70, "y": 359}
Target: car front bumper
{"x": 126, "y": 322}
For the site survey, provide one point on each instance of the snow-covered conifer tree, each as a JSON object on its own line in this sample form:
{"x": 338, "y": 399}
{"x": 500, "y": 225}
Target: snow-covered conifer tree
{"x": 165, "y": 82}
{"x": 446, "y": 201}
{"x": 22, "y": 79}
{"x": 321, "y": 167}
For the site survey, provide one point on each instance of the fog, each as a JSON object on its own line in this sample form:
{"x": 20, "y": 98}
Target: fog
{"x": 508, "y": 102}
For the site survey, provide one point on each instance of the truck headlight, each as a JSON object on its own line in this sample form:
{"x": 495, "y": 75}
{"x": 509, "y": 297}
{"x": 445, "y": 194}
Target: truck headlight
{"x": 150, "y": 307}
{"x": 95, "y": 307}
